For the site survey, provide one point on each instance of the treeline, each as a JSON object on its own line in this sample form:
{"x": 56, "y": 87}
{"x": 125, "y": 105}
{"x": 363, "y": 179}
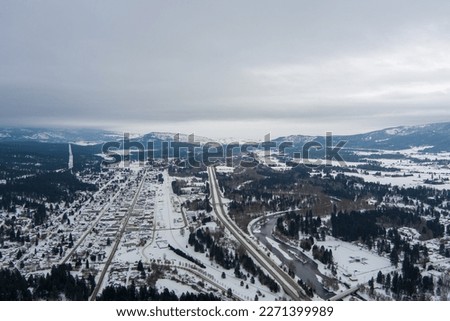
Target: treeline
{"x": 261, "y": 190}
{"x": 143, "y": 293}
{"x": 59, "y": 284}
{"x": 424, "y": 194}
{"x": 308, "y": 290}
{"x": 376, "y": 166}
{"x": 20, "y": 159}
{"x": 368, "y": 225}
{"x": 341, "y": 186}
{"x": 51, "y": 186}
{"x": 187, "y": 256}
{"x": 249, "y": 265}
{"x": 347, "y": 187}
{"x": 291, "y": 223}
{"x": 356, "y": 226}
{"x": 408, "y": 282}
{"x": 202, "y": 241}
{"x": 323, "y": 255}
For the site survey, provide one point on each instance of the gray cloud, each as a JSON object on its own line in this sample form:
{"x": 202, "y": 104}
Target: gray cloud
{"x": 242, "y": 65}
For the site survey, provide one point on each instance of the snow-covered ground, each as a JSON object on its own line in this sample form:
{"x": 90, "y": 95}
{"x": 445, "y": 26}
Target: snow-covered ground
{"x": 355, "y": 264}
{"x": 433, "y": 171}
{"x": 224, "y": 169}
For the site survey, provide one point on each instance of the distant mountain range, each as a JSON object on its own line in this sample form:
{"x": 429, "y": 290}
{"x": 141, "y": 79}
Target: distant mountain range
{"x": 51, "y": 135}
{"x": 83, "y": 136}
{"x": 435, "y": 137}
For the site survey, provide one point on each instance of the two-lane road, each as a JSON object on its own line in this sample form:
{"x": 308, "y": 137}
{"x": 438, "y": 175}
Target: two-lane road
{"x": 118, "y": 239}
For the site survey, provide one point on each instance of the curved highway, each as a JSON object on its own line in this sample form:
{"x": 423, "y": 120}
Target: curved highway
{"x": 288, "y": 284}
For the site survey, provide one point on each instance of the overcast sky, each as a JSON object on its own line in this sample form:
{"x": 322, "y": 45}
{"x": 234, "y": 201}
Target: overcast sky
{"x": 225, "y": 68}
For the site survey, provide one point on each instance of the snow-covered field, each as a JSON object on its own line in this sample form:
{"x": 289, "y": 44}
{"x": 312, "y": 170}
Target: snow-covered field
{"x": 355, "y": 264}
{"x": 433, "y": 171}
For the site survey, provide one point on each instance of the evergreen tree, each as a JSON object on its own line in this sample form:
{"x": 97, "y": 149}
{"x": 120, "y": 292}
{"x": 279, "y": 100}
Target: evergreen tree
{"x": 237, "y": 270}
{"x": 387, "y": 284}
{"x": 395, "y": 284}
{"x": 380, "y": 278}
{"x": 394, "y": 257}
{"x": 41, "y": 215}
{"x": 371, "y": 286}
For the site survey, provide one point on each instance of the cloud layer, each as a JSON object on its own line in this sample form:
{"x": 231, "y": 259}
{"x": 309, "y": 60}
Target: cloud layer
{"x": 225, "y": 68}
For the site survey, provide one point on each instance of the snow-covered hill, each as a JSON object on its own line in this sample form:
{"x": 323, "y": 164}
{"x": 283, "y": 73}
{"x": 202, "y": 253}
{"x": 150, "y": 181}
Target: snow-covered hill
{"x": 436, "y": 136}
{"x": 50, "y": 135}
